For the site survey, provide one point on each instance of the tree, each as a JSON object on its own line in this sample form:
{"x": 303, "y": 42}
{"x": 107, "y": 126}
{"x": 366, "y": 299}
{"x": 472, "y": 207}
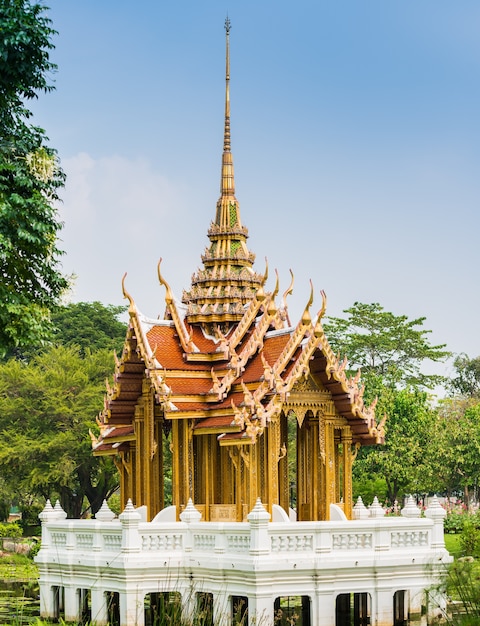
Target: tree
{"x": 454, "y": 450}
{"x": 466, "y": 382}
{"x": 390, "y": 351}
{"x": 48, "y": 406}
{"x": 385, "y": 345}
{"x": 89, "y": 325}
{"x": 30, "y": 279}
{"x": 402, "y": 461}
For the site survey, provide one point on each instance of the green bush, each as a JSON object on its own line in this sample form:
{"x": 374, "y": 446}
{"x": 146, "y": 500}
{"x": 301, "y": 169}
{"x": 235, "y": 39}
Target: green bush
{"x": 453, "y": 522}
{"x": 114, "y": 504}
{"x": 470, "y": 537}
{"x": 12, "y": 530}
{"x": 35, "y": 546}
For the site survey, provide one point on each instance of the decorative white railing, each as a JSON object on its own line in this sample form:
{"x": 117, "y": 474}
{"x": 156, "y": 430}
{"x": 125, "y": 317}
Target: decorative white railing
{"x": 104, "y": 538}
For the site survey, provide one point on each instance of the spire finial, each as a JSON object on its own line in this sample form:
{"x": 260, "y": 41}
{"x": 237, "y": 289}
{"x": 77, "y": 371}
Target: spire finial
{"x": 226, "y": 137}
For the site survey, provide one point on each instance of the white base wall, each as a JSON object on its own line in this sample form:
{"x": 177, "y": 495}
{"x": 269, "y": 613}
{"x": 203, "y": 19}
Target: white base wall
{"x": 257, "y": 560}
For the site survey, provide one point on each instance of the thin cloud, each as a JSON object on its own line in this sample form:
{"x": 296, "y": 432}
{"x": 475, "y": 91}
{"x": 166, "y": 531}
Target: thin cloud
{"x": 113, "y": 208}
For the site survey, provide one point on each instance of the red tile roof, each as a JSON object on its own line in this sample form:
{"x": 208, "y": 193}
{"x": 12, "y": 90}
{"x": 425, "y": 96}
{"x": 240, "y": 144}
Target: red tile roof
{"x": 183, "y": 376}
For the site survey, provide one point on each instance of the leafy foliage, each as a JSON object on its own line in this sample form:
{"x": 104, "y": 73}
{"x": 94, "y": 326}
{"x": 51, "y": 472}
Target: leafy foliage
{"x": 462, "y": 584}
{"x": 47, "y": 408}
{"x": 470, "y": 537}
{"x": 26, "y": 41}
{"x": 18, "y": 567}
{"x": 390, "y": 351}
{"x": 384, "y": 345}
{"x": 453, "y": 522}
{"x": 30, "y": 279}
{"x": 90, "y": 326}
{"x": 401, "y": 461}
{"x": 453, "y": 455}
{"x": 466, "y": 382}
{"x": 11, "y": 530}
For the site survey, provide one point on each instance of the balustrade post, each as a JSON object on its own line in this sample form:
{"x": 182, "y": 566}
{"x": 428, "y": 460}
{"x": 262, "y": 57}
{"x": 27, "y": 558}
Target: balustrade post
{"x": 360, "y": 511}
{"x": 188, "y": 515}
{"x": 130, "y": 521}
{"x": 47, "y": 515}
{"x": 382, "y": 533}
{"x": 220, "y": 542}
{"x": 259, "y": 537}
{"x": 104, "y": 514}
{"x": 411, "y": 509}
{"x": 437, "y": 513}
{"x": 71, "y": 536}
{"x": 59, "y": 512}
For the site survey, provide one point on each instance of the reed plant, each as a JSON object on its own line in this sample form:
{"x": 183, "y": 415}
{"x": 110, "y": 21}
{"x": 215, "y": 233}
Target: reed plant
{"x": 462, "y": 587}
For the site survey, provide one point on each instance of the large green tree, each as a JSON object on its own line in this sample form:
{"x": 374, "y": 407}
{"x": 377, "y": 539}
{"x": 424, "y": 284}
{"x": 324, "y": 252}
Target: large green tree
{"x": 453, "y": 453}
{"x": 402, "y": 462}
{"x": 48, "y": 406}
{"x": 89, "y": 325}
{"x": 390, "y": 351}
{"x": 385, "y": 345}
{"x": 49, "y": 397}
{"x": 31, "y": 280}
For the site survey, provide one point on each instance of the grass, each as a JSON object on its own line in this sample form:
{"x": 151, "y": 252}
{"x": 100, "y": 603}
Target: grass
{"x": 453, "y": 545}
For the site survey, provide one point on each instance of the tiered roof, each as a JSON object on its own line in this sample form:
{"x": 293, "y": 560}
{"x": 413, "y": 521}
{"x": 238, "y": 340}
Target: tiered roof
{"x": 229, "y": 364}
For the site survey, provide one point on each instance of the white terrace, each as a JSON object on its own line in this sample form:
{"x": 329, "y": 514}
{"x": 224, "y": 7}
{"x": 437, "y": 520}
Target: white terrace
{"x": 373, "y": 570}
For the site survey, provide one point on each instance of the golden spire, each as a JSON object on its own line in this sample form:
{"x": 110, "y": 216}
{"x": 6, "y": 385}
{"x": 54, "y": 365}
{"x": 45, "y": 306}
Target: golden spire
{"x": 221, "y": 290}
{"x": 227, "y": 183}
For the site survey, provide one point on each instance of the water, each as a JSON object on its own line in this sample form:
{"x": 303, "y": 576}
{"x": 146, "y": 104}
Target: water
{"x": 19, "y": 603}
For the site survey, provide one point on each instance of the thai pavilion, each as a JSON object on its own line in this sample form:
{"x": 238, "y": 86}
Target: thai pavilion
{"x": 221, "y": 377}
{"x": 258, "y": 424}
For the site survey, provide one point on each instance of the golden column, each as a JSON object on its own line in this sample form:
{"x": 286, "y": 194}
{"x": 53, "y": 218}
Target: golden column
{"x": 330, "y": 469}
{"x": 182, "y": 458}
{"x": 347, "y": 471}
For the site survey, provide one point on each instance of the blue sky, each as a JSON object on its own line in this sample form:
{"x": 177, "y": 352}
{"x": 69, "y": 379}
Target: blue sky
{"x": 355, "y": 135}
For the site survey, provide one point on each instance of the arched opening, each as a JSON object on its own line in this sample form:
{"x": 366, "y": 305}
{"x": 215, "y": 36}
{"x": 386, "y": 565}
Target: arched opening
{"x": 58, "y": 602}
{"x": 84, "y": 606}
{"x": 163, "y": 608}
{"x": 292, "y": 610}
{"x": 204, "y": 612}
{"x": 353, "y": 609}
{"x": 239, "y": 606}
{"x": 112, "y": 599}
{"x": 400, "y": 608}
